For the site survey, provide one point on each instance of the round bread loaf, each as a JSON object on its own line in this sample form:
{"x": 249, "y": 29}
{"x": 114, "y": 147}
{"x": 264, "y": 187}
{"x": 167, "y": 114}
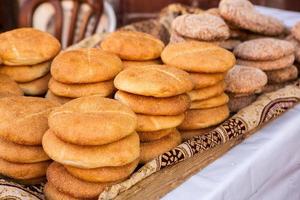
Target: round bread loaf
{"x": 154, "y": 80}
{"x": 156, "y": 123}
{"x": 264, "y": 49}
{"x": 17, "y": 153}
{"x": 128, "y": 63}
{"x": 59, "y": 177}
{"x": 79, "y": 90}
{"x": 89, "y": 65}
{"x": 26, "y": 73}
{"x": 186, "y": 135}
{"x": 243, "y": 14}
{"x": 59, "y": 99}
{"x": 282, "y": 75}
{"x": 208, "y": 92}
{"x": 200, "y": 57}
{"x": 154, "y": 106}
{"x": 205, "y": 80}
{"x": 204, "y": 27}
{"x": 103, "y": 174}
{"x": 117, "y": 153}
{"x": 36, "y": 87}
{"x": 280, "y": 63}
{"x": 211, "y": 102}
{"x": 273, "y": 87}
{"x": 51, "y": 193}
{"x": 92, "y": 120}
{"x": 148, "y": 136}
{"x": 23, "y": 171}
{"x": 27, "y": 46}
{"x": 204, "y": 118}
{"x": 176, "y": 38}
{"x": 230, "y": 44}
{"x": 237, "y": 103}
{"x": 8, "y": 87}
{"x": 24, "y": 120}
{"x": 132, "y": 45}
{"x": 150, "y": 150}
{"x": 243, "y": 79}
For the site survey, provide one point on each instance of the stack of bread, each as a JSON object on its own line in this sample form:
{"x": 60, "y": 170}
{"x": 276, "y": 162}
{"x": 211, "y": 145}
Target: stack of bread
{"x": 93, "y": 143}
{"x": 134, "y": 48}
{"x": 83, "y": 72}
{"x": 26, "y": 54}
{"x": 9, "y": 87}
{"x": 274, "y": 56}
{"x": 24, "y": 120}
{"x": 243, "y": 84}
{"x": 207, "y": 65}
{"x": 157, "y": 94}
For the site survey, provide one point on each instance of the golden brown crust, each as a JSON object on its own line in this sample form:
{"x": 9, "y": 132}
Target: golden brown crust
{"x": 89, "y": 65}
{"x": 58, "y": 99}
{"x": 128, "y": 63}
{"x": 280, "y": 63}
{"x": 24, "y": 120}
{"x": 83, "y": 89}
{"x": 204, "y": 118}
{"x": 51, "y": 193}
{"x": 202, "y": 80}
{"x": 27, "y": 46}
{"x": 186, "y": 135}
{"x": 154, "y": 106}
{"x": 26, "y": 73}
{"x": 156, "y": 123}
{"x": 23, "y": 171}
{"x": 8, "y": 87}
{"x": 64, "y": 182}
{"x": 243, "y": 79}
{"x": 36, "y": 87}
{"x": 282, "y": 75}
{"x": 117, "y": 153}
{"x": 103, "y": 121}
{"x": 208, "y": 92}
{"x": 133, "y": 45}
{"x": 17, "y": 153}
{"x": 198, "y": 57}
{"x": 103, "y": 174}
{"x": 211, "y": 102}
{"x": 150, "y": 150}
{"x": 154, "y": 80}
{"x": 148, "y": 136}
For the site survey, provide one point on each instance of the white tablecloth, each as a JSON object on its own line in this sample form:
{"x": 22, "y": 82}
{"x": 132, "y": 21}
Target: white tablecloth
{"x": 265, "y": 166}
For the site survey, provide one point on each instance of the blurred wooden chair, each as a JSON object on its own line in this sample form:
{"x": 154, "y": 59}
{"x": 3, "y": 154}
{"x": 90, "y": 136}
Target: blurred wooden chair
{"x": 77, "y": 28}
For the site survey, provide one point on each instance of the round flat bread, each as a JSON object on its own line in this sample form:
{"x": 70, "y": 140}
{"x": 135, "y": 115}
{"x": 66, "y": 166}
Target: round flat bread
{"x": 201, "y": 80}
{"x": 282, "y": 75}
{"x": 211, "y": 102}
{"x": 237, "y": 103}
{"x": 129, "y": 63}
{"x": 58, "y": 99}
{"x": 208, "y": 92}
{"x": 36, "y": 87}
{"x": 148, "y": 136}
{"x": 8, "y": 87}
{"x": 296, "y": 31}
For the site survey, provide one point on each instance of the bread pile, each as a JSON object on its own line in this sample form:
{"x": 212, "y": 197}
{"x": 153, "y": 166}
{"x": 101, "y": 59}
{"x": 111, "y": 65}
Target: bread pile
{"x": 9, "y": 87}
{"x": 134, "y": 48}
{"x": 243, "y": 84}
{"x": 206, "y": 64}
{"x": 274, "y": 56}
{"x": 93, "y": 143}
{"x": 24, "y": 120}
{"x": 83, "y": 72}
{"x": 26, "y": 54}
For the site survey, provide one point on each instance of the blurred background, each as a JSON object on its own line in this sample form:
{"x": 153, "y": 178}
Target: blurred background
{"x": 96, "y": 15}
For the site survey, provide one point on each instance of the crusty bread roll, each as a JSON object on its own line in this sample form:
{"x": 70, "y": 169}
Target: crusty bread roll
{"x": 207, "y": 92}
{"x": 154, "y": 80}
{"x": 198, "y": 57}
{"x": 150, "y": 150}
{"x": 59, "y": 99}
{"x": 92, "y": 120}
{"x": 147, "y": 136}
{"x": 26, "y": 73}
{"x": 59, "y": 177}
{"x": 129, "y": 63}
{"x": 154, "y": 106}
{"x": 23, "y": 171}
{"x": 132, "y": 45}
{"x": 204, "y": 118}
{"x": 201, "y": 80}
{"x": 156, "y": 122}
{"x": 89, "y": 65}
{"x": 24, "y": 120}
{"x": 211, "y": 102}
{"x": 27, "y": 46}
{"x": 79, "y": 90}
{"x": 8, "y": 87}
{"x": 36, "y": 87}
{"x": 51, "y": 193}
{"x": 17, "y": 153}
{"x": 117, "y": 153}
{"x": 103, "y": 174}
